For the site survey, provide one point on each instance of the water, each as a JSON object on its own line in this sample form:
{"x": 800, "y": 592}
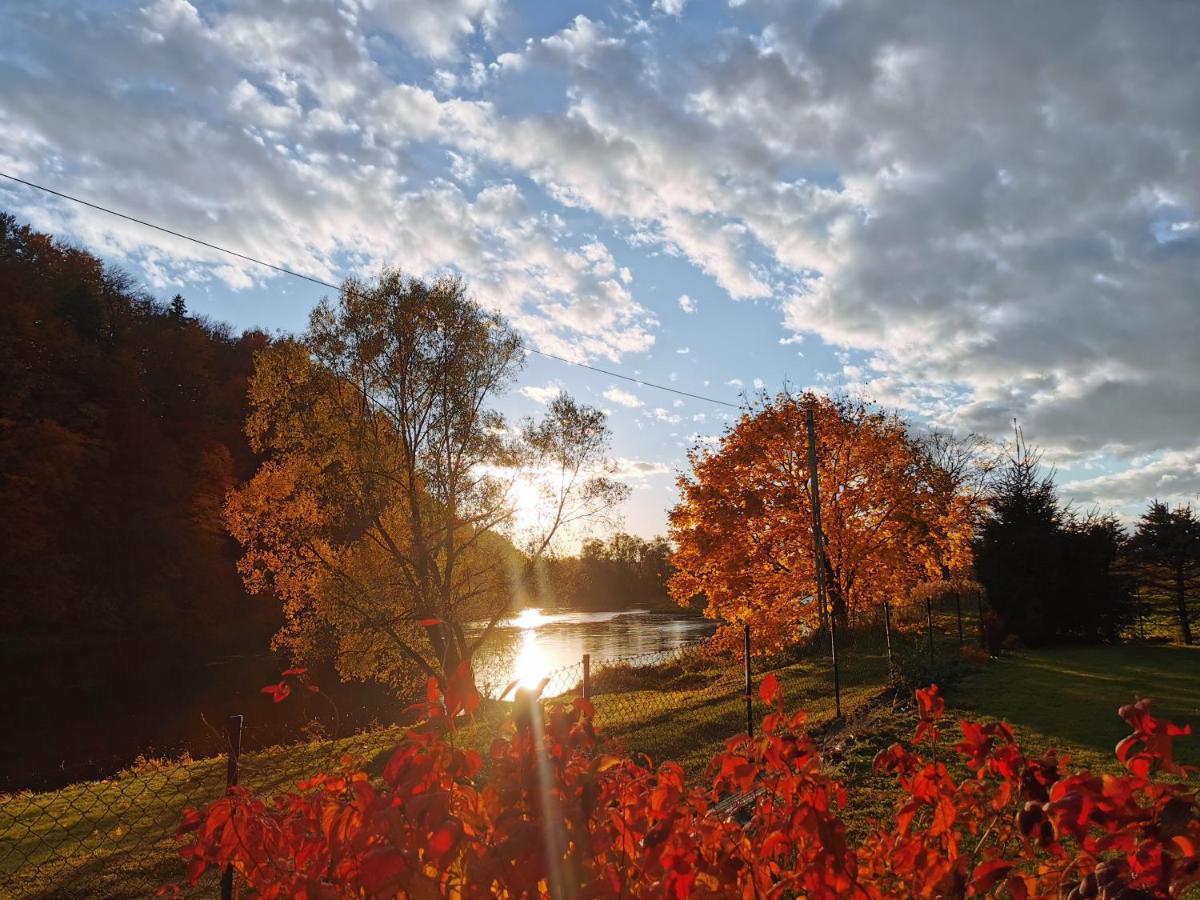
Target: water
{"x": 539, "y": 642}
{"x": 88, "y": 712}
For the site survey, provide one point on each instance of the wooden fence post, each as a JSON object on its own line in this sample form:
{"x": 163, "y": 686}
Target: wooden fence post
{"x": 749, "y": 684}
{"x": 887, "y": 629}
{"x": 587, "y": 676}
{"x": 233, "y": 730}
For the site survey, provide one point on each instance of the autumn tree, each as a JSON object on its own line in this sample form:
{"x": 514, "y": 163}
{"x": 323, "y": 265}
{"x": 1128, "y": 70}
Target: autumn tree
{"x": 383, "y": 514}
{"x": 743, "y": 528}
{"x": 1165, "y": 552}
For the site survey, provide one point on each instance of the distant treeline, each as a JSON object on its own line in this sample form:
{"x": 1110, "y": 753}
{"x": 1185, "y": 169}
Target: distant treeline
{"x": 120, "y": 431}
{"x": 623, "y": 572}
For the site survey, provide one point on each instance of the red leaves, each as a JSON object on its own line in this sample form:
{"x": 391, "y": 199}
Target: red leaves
{"x": 550, "y": 807}
{"x": 768, "y": 689}
{"x": 279, "y": 692}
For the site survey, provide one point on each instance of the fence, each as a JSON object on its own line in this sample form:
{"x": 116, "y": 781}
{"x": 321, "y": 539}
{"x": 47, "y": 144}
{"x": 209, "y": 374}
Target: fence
{"x": 114, "y": 837}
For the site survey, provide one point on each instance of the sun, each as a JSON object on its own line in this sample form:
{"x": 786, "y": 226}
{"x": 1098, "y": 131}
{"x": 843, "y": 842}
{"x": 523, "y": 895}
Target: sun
{"x": 526, "y": 498}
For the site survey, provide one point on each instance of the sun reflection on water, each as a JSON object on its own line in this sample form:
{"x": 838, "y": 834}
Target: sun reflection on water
{"x": 530, "y": 665}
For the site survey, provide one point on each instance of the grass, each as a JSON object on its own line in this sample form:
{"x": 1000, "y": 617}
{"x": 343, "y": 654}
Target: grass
{"x": 112, "y": 838}
{"x": 1061, "y": 697}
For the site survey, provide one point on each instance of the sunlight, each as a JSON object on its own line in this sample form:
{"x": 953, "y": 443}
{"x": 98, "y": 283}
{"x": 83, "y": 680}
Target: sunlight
{"x": 527, "y": 500}
{"x": 530, "y": 665}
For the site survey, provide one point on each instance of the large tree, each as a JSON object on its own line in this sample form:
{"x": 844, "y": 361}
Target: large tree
{"x": 743, "y": 528}
{"x": 1165, "y": 552}
{"x": 383, "y": 515}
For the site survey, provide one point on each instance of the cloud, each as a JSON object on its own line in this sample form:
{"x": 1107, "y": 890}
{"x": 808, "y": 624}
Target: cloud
{"x": 637, "y": 469}
{"x": 670, "y": 7}
{"x": 543, "y": 394}
{"x": 1173, "y": 477}
{"x": 663, "y": 415}
{"x": 622, "y": 398}
{"x": 1005, "y": 226}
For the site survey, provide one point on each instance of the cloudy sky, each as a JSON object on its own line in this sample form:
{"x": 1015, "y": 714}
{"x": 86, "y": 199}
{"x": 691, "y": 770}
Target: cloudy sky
{"x": 970, "y": 211}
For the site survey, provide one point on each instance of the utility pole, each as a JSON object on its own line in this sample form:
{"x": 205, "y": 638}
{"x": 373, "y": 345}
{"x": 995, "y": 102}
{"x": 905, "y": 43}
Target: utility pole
{"x": 819, "y": 554}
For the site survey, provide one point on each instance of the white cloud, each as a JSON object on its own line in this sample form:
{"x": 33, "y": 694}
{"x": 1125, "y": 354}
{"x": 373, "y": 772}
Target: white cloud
{"x": 670, "y": 7}
{"x": 687, "y": 304}
{"x": 684, "y": 351}
{"x": 622, "y": 397}
{"x": 637, "y": 469}
{"x": 543, "y": 394}
{"x": 735, "y": 382}
{"x": 663, "y": 415}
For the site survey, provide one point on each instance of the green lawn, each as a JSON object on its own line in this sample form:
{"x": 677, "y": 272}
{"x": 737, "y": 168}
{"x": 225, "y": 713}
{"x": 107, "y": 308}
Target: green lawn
{"x": 1060, "y": 697}
{"x": 112, "y": 838}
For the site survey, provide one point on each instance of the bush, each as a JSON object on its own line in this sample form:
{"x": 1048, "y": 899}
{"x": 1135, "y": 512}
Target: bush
{"x": 549, "y": 816}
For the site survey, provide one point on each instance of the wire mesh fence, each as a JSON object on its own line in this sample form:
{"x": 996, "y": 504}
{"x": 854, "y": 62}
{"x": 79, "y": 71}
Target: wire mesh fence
{"x": 114, "y": 837}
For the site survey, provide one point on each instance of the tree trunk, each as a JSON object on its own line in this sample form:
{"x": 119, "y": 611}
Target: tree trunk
{"x": 1185, "y": 628}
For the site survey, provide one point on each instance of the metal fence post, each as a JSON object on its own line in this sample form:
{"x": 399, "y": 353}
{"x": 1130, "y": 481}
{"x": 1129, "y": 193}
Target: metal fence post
{"x": 233, "y": 729}
{"x": 587, "y": 676}
{"x": 749, "y": 685}
{"x": 887, "y": 629}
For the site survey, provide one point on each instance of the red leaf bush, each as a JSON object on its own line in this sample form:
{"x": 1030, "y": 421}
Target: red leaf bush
{"x": 548, "y": 814}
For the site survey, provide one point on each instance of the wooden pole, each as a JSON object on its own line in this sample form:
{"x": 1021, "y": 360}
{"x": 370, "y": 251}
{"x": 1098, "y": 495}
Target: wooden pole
{"x": 749, "y": 682}
{"x": 819, "y": 554}
{"x": 587, "y": 676}
{"x": 233, "y": 730}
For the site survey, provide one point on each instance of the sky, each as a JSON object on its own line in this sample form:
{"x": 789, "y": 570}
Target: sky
{"x": 969, "y": 212}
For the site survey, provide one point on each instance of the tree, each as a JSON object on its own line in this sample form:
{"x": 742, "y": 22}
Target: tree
{"x": 120, "y": 431}
{"x": 1047, "y": 572}
{"x": 383, "y": 512}
{"x": 1165, "y": 552}
{"x": 743, "y": 528}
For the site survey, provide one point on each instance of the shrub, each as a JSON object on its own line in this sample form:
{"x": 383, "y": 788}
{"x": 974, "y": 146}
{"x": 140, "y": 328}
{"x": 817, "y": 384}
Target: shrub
{"x": 550, "y": 816}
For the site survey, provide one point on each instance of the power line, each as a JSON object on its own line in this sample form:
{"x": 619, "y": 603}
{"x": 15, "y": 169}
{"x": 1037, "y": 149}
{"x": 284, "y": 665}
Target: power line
{"x": 286, "y": 271}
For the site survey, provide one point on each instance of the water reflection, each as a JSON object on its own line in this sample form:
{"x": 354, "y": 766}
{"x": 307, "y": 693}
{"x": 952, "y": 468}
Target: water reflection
{"x": 538, "y": 642}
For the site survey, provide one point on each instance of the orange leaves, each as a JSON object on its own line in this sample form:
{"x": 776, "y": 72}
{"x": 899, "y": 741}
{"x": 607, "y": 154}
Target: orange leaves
{"x": 552, "y": 814}
{"x": 743, "y": 527}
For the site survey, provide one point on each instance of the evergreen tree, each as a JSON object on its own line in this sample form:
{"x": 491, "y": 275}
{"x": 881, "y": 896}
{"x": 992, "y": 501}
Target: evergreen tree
{"x": 1165, "y": 552}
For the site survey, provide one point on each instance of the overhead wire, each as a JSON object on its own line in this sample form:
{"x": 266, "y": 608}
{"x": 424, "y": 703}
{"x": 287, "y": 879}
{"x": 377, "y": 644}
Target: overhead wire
{"x": 321, "y": 282}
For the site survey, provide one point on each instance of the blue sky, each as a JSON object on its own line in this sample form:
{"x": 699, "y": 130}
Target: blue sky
{"x": 970, "y": 212}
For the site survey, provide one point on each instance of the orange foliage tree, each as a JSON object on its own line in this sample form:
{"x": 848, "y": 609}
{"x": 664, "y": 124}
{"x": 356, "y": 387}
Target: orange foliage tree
{"x": 383, "y": 513}
{"x": 891, "y": 517}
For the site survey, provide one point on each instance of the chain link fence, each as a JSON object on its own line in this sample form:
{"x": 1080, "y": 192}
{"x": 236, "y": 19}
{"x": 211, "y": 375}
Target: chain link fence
{"x": 114, "y": 837}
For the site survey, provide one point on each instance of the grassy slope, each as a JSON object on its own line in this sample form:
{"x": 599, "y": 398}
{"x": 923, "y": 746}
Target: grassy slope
{"x": 1063, "y": 697}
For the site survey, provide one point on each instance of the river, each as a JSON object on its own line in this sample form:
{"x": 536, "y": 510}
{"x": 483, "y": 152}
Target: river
{"x": 88, "y": 712}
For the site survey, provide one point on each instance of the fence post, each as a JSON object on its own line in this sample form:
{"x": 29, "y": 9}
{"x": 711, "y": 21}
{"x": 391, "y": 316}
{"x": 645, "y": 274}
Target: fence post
{"x": 749, "y": 685}
{"x": 233, "y": 730}
{"x": 887, "y": 629}
{"x": 587, "y": 676}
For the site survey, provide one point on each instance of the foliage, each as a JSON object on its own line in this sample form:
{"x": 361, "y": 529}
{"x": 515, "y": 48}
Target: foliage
{"x": 120, "y": 432}
{"x": 1164, "y": 553}
{"x": 548, "y": 816}
{"x": 623, "y": 572}
{"x": 1049, "y": 573}
{"x": 891, "y": 518}
{"x": 383, "y": 513}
